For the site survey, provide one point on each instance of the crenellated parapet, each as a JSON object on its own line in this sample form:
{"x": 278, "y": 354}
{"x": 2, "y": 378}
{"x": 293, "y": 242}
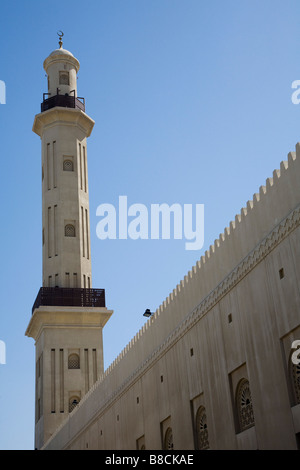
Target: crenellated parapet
{"x": 279, "y": 195}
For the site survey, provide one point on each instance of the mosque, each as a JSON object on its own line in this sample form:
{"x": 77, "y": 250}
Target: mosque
{"x": 214, "y": 367}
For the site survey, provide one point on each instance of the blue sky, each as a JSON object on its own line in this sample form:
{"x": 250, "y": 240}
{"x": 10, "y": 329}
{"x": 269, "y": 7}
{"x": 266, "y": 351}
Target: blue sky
{"x": 192, "y": 105}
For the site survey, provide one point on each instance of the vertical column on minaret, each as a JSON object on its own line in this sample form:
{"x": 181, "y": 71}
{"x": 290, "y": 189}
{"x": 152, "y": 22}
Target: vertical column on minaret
{"x": 66, "y": 231}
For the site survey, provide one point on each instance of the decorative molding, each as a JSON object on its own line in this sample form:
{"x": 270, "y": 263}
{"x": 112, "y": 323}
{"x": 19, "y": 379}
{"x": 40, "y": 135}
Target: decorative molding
{"x": 69, "y": 317}
{"x": 62, "y": 116}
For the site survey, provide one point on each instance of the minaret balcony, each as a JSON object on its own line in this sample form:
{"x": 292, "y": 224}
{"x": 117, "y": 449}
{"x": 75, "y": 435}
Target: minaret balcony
{"x": 64, "y": 101}
{"x": 69, "y": 297}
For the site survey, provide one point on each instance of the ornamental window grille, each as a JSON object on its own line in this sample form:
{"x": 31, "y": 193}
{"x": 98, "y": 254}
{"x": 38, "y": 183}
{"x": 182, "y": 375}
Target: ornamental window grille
{"x": 69, "y": 230}
{"x": 64, "y": 78}
{"x": 68, "y": 165}
{"x": 168, "y": 442}
{"x": 295, "y": 373}
{"x": 244, "y": 405}
{"x": 73, "y": 402}
{"x": 73, "y": 361}
{"x": 202, "y": 442}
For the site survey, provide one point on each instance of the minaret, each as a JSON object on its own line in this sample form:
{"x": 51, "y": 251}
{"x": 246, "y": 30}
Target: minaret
{"x": 68, "y": 314}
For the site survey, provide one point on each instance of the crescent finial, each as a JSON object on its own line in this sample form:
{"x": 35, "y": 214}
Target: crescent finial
{"x": 60, "y": 35}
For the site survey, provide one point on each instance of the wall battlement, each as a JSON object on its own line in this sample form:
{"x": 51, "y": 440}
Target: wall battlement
{"x": 252, "y": 227}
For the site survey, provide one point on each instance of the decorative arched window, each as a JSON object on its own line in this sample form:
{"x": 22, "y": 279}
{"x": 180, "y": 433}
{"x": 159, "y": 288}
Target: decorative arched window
{"x": 73, "y": 361}
{"x": 168, "y": 441}
{"x": 73, "y": 402}
{"x": 69, "y": 230}
{"x": 295, "y": 378}
{"x": 68, "y": 165}
{"x": 201, "y": 430}
{"x": 244, "y": 405}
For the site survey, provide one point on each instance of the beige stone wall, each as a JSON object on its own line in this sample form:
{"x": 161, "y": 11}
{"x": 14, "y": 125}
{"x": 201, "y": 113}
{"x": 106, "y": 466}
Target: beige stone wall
{"x": 233, "y": 316}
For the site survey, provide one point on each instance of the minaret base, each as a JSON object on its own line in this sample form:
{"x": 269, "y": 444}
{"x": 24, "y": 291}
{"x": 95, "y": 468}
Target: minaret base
{"x": 69, "y": 360}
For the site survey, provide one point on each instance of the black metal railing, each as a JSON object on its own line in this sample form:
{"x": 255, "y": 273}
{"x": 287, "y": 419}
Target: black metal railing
{"x": 69, "y": 297}
{"x": 64, "y": 101}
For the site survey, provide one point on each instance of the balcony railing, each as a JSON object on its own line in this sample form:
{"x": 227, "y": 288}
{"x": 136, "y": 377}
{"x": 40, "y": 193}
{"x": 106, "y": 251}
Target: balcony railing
{"x": 69, "y": 297}
{"x": 64, "y": 101}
